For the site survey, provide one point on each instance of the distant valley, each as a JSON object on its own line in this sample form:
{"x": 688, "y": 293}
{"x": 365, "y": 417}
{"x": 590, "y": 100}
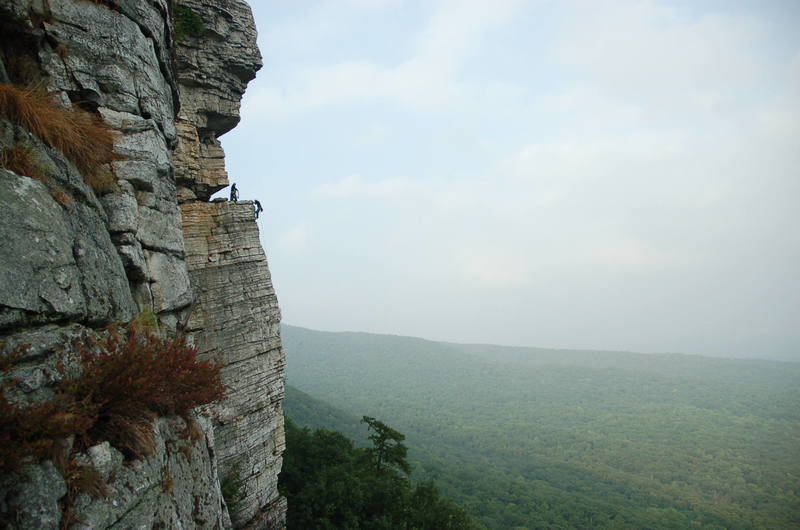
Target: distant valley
{"x": 536, "y": 438}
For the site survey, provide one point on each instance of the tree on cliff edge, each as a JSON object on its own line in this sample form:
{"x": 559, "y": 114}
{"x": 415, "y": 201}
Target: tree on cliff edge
{"x": 330, "y": 483}
{"x": 388, "y": 449}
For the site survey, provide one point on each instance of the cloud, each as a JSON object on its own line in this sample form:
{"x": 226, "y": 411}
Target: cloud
{"x": 630, "y": 254}
{"x": 635, "y": 162}
{"x": 645, "y": 201}
{"x": 663, "y": 55}
{"x": 375, "y": 3}
{"x": 296, "y": 239}
{"x": 426, "y": 79}
{"x": 355, "y": 186}
{"x": 495, "y": 269}
{"x": 416, "y": 83}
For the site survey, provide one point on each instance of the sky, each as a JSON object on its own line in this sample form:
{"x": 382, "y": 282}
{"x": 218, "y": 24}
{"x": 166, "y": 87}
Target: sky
{"x": 620, "y": 175}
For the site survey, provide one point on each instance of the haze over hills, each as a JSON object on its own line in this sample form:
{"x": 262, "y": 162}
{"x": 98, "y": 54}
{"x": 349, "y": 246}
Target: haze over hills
{"x": 529, "y": 437}
{"x": 603, "y": 175}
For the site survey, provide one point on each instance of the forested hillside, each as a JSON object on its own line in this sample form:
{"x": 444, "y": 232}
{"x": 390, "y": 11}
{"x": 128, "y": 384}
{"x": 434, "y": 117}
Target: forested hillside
{"x": 330, "y": 482}
{"x": 536, "y": 438}
{"x": 307, "y": 411}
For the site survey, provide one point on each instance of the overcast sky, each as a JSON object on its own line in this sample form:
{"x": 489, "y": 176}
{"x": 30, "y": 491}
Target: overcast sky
{"x": 605, "y": 175}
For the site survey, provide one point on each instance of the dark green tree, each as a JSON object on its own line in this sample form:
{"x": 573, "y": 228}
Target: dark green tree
{"x": 388, "y": 450}
{"x": 331, "y": 483}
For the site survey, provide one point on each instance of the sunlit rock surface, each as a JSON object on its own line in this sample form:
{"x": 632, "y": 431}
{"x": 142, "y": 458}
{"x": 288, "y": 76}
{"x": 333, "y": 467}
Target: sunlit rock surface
{"x": 236, "y": 313}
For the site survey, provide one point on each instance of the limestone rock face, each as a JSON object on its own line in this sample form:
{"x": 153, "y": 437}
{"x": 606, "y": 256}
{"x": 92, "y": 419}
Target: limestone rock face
{"x": 199, "y": 166}
{"x": 118, "y": 62}
{"x": 213, "y": 72}
{"x": 73, "y": 259}
{"x": 236, "y": 315}
{"x": 175, "y": 488}
{"x": 58, "y": 263}
{"x": 34, "y": 497}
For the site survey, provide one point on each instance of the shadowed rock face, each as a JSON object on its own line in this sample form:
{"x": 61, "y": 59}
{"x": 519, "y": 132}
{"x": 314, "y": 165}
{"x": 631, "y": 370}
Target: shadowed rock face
{"x": 154, "y": 243}
{"x": 57, "y": 264}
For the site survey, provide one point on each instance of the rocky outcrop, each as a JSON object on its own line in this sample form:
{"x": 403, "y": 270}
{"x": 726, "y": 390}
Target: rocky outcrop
{"x": 236, "y": 313}
{"x": 118, "y": 62}
{"x": 214, "y": 69}
{"x": 199, "y": 165}
{"x": 58, "y": 263}
{"x": 213, "y": 72}
{"x": 176, "y": 487}
{"x": 75, "y": 258}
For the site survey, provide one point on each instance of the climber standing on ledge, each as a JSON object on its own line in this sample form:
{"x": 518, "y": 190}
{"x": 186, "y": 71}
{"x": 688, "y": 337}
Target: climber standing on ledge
{"x": 234, "y": 193}
{"x": 258, "y": 208}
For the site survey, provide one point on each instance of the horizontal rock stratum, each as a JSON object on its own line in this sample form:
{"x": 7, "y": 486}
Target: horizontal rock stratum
{"x": 135, "y": 237}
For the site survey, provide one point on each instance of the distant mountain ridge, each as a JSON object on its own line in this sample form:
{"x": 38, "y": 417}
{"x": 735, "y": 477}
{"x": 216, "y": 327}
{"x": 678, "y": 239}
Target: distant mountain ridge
{"x": 531, "y": 438}
{"x": 308, "y": 411}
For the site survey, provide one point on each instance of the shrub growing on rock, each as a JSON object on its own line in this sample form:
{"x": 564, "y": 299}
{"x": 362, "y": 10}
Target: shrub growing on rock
{"x": 231, "y": 488}
{"x": 21, "y": 160}
{"x": 82, "y": 137}
{"x": 136, "y": 376}
{"x": 187, "y": 22}
{"x": 127, "y": 379}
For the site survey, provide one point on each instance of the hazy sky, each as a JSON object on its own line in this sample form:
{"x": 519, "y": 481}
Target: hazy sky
{"x": 609, "y": 175}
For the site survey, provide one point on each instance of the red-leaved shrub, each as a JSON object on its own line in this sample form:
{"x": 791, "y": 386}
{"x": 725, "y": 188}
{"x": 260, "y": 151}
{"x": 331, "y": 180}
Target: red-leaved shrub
{"x": 31, "y": 434}
{"x": 135, "y": 376}
{"x": 128, "y": 378}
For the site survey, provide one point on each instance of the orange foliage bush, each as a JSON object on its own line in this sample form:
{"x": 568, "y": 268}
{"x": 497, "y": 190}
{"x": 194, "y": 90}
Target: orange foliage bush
{"x": 134, "y": 377}
{"x": 32, "y": 434}
{"x": 21, "y": 160}
{"x": 81, "y": 136}
{"x": 61, "y": 196}
{"x": 128, "y": 379}
{"x": 102, "y": 181}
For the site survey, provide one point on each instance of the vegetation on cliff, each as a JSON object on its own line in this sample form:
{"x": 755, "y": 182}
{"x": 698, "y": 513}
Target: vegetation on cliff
{"x": 122, "y": 381}
{"x": 329, "y": 482}
{"x": 81, "y": 136}
{"x": 187, "y": 23}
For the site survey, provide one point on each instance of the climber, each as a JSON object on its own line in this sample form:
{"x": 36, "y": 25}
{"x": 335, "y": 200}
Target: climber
{"x": 234, "y": 193}
{"x": 258, "y": 208}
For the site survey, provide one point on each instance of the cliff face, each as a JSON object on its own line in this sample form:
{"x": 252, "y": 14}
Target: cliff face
{"x": 235, "y": 309}
{"x": 75, "y": 257}
{"x": 236, "y": 312}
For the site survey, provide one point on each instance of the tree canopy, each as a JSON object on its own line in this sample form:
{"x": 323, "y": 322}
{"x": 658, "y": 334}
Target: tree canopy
{"x": 331, "y": 483}
{"x": 387, "y": 449}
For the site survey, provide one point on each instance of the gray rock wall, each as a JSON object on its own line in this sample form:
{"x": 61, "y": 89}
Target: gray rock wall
{"x": 236, "y": 313}
{"x": 72, "y": 260}
{"x": 118, "y": 62}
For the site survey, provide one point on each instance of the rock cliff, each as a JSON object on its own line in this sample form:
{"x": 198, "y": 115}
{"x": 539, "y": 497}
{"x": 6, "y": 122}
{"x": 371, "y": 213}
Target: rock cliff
{"x": 85, "y": 248}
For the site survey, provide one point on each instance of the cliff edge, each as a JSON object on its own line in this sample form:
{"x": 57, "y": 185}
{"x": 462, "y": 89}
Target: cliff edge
{"x": 110, "y": 113}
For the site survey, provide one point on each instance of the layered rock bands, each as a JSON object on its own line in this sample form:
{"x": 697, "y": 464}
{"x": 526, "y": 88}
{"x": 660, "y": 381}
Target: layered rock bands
{"x": 74, "y": 259}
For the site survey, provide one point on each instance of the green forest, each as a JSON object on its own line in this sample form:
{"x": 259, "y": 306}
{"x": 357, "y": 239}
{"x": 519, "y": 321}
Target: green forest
{"x": 330, "y": 482}
{"x": 535, "y": 438}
